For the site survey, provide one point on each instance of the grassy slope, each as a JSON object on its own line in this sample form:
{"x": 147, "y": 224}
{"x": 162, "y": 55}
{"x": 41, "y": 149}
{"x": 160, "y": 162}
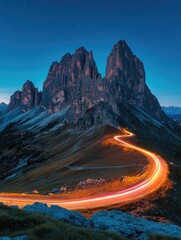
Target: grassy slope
{"x": 14, "y": 222}
{"x": 61, "y": 150}
{"x": 53, "y": 167}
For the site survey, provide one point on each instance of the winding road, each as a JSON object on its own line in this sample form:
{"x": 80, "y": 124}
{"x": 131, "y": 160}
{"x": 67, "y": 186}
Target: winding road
{"x": 156, "y": 176}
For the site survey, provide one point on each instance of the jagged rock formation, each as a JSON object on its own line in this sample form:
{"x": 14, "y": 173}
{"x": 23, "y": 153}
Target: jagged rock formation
{"x": 126, "y": 76}
{"x": 15, "y": 100}
{"x": 26, "y": 99}
{"x": 75, "y": 82}
{"x": 72, "y": 82}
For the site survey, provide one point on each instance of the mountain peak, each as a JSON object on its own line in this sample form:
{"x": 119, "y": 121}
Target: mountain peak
{"x": 28, "y": 82}
{"x": 26, "y": 99}
{"x": 122, "y": 43}
{"x": 3, "y": 104}
{"x": 81, "y": 50}
{"x": 66, "y": 57}
{"x": 75, "y": 82}
{"x": 121, "y": 47}
{"x": 119, "y": 60}
{"x": 65, "y": 83}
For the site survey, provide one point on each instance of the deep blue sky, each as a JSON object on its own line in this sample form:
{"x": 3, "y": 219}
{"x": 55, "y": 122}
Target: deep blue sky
{"x": 34, "y": 33}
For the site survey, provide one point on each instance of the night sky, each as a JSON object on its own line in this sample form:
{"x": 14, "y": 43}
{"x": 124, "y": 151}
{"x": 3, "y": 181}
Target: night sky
{"x": 34, "y": 33}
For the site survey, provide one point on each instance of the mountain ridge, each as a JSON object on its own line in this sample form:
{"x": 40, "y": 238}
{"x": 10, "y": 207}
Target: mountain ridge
{"x": 172, "y": 110}
{"x": 76, "y": 82}
{"x": 174, "y": 113}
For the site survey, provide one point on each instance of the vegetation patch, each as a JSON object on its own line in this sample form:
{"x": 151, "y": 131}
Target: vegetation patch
{"x": 15, "y": 222}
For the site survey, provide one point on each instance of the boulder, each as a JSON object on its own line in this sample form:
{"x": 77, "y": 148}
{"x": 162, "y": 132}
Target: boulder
{"x": 57, "y": 212}
{"x": 113, "y": 221}
{"x": 132, "y": 227}
{"x": 55, "y": 190}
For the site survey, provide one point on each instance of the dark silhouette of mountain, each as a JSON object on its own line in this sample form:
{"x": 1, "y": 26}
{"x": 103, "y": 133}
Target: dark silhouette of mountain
{"x": 171, "y": 110}
{"x": 174, "y": 113}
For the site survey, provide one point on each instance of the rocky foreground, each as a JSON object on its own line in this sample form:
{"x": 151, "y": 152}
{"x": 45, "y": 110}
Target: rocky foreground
{"x": 112, "y": 221}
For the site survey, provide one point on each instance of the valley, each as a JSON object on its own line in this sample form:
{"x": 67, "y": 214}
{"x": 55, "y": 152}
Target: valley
{"x": 155, "y": 177}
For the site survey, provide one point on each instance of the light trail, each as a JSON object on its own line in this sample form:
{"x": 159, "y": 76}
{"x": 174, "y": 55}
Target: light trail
{"x": 155, "y": 178}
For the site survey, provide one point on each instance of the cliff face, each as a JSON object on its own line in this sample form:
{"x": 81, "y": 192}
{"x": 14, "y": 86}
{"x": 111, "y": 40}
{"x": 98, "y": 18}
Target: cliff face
{"x": 125, "y": 73}
{"x": 75, "y": 82}
{"x": 15, "y": 100}
{"x": 126, "y": 77}
{"x": 26, "y": 99}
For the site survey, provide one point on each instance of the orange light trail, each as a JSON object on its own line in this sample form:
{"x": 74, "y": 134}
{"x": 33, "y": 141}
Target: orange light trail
{"x": 155, "y": 178}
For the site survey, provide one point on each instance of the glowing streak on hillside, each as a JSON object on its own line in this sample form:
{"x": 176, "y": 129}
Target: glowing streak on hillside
{"x": 155, "y": 178}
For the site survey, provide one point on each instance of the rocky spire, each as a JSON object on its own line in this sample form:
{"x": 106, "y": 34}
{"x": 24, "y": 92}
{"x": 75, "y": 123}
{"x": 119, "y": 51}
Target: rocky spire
{"x": 126, "y": 75}
{"x": 26, "y": 99}
{"x": 15, "y": 100}
{"x": 65, "y": 79}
